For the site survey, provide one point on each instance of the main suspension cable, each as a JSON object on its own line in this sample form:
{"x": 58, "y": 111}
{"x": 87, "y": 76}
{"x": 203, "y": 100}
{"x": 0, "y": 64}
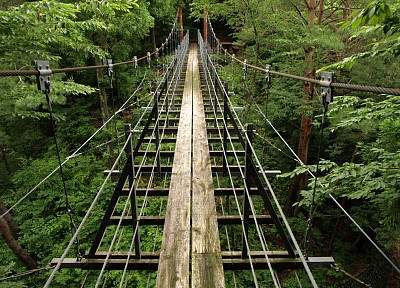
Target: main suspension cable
{"x": 355, "y": 87}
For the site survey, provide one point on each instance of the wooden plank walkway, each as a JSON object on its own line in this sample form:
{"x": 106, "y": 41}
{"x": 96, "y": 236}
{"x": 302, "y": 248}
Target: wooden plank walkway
{"x": 191, "y": 196}
{"x": 173, "y": 270}
{"x": 207, "y": 268}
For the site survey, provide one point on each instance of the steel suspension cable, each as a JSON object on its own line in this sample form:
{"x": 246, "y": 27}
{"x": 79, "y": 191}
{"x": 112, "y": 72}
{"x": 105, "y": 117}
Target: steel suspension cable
{"x": 67, "y": 204}
{"x": 96, "y": 198}
{"x": 129, "y": 195}
{"x": 333, "y": 198}
{"x": 205, "y": 67}
{"x": 4, "y": 73}
{"x": 50, "y": 279}
{"x": 225, "y": 226}
{"x": 355, "y": 87}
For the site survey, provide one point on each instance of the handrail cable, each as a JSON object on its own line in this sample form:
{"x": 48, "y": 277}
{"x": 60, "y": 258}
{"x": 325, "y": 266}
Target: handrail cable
{"x": 355, "y": 87}
{"x": 333, "y": 198}
{"x": 130, "y": 193}
{"x": 50, "y": 279}
{"x": 84, "y": 219}
{"x": 150, "y": 182}
{"x": 301, "y": 256}
{"x": 4, "y": 73}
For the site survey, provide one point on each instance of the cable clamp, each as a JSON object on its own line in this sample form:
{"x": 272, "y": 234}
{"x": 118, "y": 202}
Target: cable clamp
{"x": 110, "y": 70}
{"x": 135, "y": 65}
{"x": 148, "y": 58}
{"x": 233, "y": 58}
{"x": 245, "y": 68}
{"x": 43, "y": 79}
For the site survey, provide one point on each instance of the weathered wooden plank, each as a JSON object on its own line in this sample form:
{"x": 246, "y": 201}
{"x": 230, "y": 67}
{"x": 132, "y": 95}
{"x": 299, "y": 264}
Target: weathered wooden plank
{"x": 173, "y": 270}
{"x": 160, "y": 220}
{"x": 207, "y": 268}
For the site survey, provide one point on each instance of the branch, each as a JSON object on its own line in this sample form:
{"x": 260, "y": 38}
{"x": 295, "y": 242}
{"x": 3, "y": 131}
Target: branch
{"x": 298, "y": 11}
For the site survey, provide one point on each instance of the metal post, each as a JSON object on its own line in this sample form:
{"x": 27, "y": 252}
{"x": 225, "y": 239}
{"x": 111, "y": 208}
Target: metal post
{"x": 132, "y": 187}
{"x": 157, "y": 130}
{"x": 166, "y": 100}
{"x": 246, "y": 200}
{"x": 225, "y": 140}
{"x": 205, "y": 25}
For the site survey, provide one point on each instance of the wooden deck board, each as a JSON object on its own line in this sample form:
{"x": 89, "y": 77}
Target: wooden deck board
{"x": 173, "y": 270}
{"x": 207, "y": 268}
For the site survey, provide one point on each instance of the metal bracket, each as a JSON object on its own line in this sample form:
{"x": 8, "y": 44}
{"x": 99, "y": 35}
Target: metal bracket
{"x": 110, "y": 70}
{"x": 268, "y": 75}
{"x": 43, "y": 79}
{"x": 326, "y": 89}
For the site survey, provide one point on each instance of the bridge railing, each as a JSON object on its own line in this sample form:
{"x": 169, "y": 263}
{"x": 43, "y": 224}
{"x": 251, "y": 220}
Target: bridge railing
{"x": 252, "y": 172}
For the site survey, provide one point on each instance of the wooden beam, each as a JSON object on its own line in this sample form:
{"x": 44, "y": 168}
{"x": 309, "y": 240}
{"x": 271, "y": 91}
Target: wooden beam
{"x": 160, "y": 220}
{"x": 228, "y": 264}
{"x": 157, "y": 192}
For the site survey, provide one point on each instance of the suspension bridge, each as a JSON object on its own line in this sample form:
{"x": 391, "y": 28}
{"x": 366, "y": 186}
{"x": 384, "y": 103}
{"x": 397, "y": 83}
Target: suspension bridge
{"x": 190, "y": 154}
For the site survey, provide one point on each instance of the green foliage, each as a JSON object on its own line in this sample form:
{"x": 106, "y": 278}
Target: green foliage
{"x": 379, "y": 23}
{"x": 349, "y": 111}
{"x": 34, "y": 27}
{"x": 373, "y": 180}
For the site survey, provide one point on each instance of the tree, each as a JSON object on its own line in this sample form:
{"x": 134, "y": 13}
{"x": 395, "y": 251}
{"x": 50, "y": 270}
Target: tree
{"x": 378, "y": 24}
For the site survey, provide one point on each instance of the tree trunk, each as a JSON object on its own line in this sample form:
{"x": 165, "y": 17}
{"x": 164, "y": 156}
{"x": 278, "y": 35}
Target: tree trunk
{"x": 300, "y": 182}
{"x": 4, "y": 156}
{"x": 10, "y": 220}
{"x": 14, "y": 246}
{"x": 321, "y": 11}
{"x": 153, "y": 39}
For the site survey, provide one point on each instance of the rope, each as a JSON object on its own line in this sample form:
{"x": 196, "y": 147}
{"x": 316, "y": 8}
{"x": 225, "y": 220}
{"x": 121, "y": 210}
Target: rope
{"x": 337, "y": 269}
{"x": 26, "y": 273}
{"x": 312, "y": 207}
